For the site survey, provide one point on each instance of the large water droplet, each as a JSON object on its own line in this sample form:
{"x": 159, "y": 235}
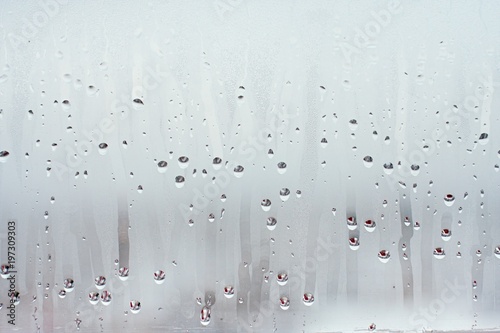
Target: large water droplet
{"x": 205, "y": 316}
{"x": 271, "y": 223}
{"x": 308, "y": 299}
{"x": 449, "y": 199}
{"x": 159, "y": 276}
{"x": 217, "y": 163}
{"x": 123, "y": 273}
{"x": 281, "y": 168}
{"x": 265, "y": 204}
{"x": 4, "y": 155}
{"x": 388, "y": 168}
{"x": 228, "y": 291}
{"x": 284, "y": 302}
{"x": 284, "y": 194}
{"x": 370, "y": 225}
{"x": 497, "y": 252}
{"x": 351, "y": 223}
{"x": 282, "y": 278}
{"x": 135, "y": 306}
{"x": 5, "y": 271}
{"x": 354, "y": 243}
{"x": 446, "y": 234}
{"x": 179, "y": 181}
{"x": 238, "y": 171}
{"x": 105, "y": 297}
{"x": 100, "y": 282}
{"x": 162, "y": 166}
{"x": 368, "y": 161}
{"x": 69, "y": 285}
{"x": 103, "y": 148}
{"x": 384, "y": 256}
{"x": 94, "y": 298}
{"x": 62, "y": 293}
{"x": 439, "y": 253}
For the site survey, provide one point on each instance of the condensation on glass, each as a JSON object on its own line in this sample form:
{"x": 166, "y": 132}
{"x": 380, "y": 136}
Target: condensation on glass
{"x": 250, "y": 166}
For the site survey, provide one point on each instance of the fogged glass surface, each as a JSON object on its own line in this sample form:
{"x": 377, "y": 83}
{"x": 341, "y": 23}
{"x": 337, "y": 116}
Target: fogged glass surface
{"x": 250, "y": 166}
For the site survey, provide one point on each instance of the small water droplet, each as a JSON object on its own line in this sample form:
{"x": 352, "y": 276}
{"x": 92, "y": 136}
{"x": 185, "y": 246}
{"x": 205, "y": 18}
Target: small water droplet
{"x": 4, "y": 155}
{"x": 183, "y": 162}
{"x": 62, "y": 293}
{"x": 368, "y": 161}
{"x": 217, "y": 163}
{"x": 94, "y": 298}
{"x": 388, "y": 168}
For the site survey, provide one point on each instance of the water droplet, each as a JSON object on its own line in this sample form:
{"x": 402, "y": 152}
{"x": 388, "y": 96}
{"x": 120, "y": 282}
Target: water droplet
{"x": 497, "y": 252}
{"x": 351, "y": 223}
{"x": 5, "y": 271}
{"x": 284, "y": 302}
{"x": 69, "y": 285}
{"x": 15, "y": 297}
{"x": 282, "y": 278}
{"x": 416, "y": 226}
{"x": 123, "y": 273}
{"x": 323, "y": 142}
{"x": 205, "y": 315}
{"x": 388, "y": 168}
{"x": 270, "y": 153}
{"x": 439, "y": 253}
{"x": 370, "y": 225}
{"x": 284, "y": 194}
{"x": 449, "y": 199}
{"x": 135, "y": 306}
{"x": 238, "y": 171}
{"x": 103, "y": 147}
{"x": 179, "y": 181}
{"x": 265, "y": 204}
{"x": 211, "y": 217}
{"x": 100, "y": 282}
{"x": 368, "y": 161}
{"x": 474, "y": 284}
{"x": 4, "y": 155}
{"x": 308, "y": 299}
{"x": 162, "y": 166}
{"x": 140, "y": 189}
{"x": 190, "y": 222}
{"x": 105, "y": 297}
{"x": 159, "y": 276}
{"x": 281, "y": 168}
{"x": 384, "y": 256}
{"x": 354, "y": 243}
{"x": 228, "y": 291}
{"x": 271, "y": 223}
{"x": 446, "y": 234}
{"x": 94, "y": 298}
{"x": 414, "y": 169}
{"x": 372, "y": 327}
{"x": 62, "y": 293}
{"x": 183, "y": 162}
{"x": 353, "y": 124}
{"x": 217, "y": 163}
